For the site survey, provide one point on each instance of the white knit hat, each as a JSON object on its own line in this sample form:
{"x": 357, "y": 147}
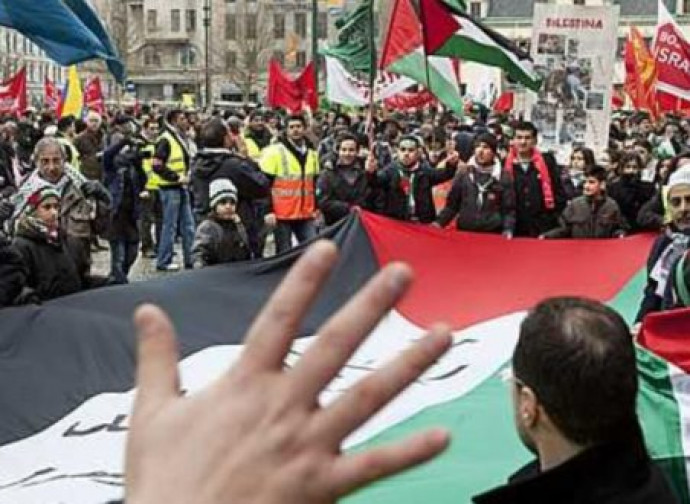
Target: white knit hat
{"x": 221, "y": 189}
{"x": 680, "y": 176}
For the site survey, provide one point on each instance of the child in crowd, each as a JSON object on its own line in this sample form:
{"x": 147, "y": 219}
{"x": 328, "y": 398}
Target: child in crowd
{"x": 221, "y": 237}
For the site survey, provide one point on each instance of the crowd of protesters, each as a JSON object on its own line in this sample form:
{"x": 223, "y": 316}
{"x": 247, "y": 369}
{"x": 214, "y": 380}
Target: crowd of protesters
{"x": 226, "y": 183}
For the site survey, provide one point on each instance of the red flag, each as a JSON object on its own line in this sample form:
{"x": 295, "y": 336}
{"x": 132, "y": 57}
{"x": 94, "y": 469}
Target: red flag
{"x": 640, "y": 73}
{"x": 505, "y": 102}
{"x": 13, "y": 94}
{"x": 410, "y": 99}
{"x": 672, "y": 57}
{"x": 307, "y": 85}
{"x": 93, "y": 96}
{"x": 291, "y": 94}
{"x": 51, "y": 95}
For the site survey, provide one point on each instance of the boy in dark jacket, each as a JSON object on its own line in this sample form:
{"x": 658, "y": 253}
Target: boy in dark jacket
{"x": 221, "y": 238}
{"x": 592, "y": 215}
{"x": 49, "y": 269}
{"x": 483, "y": 197}
{"x": 408, "y": 182}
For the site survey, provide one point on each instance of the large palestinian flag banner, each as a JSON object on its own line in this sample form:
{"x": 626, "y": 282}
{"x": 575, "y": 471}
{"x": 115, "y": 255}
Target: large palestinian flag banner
{"x": 66, "y": 368}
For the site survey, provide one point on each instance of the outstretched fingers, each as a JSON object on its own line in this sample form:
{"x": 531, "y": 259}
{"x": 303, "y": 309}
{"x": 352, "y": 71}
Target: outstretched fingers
{"x": 157, "y": 355}
{"x": 345, "y": 331}
{"x": 351, "y": 472}
{"x": 372, "y": 393}
{"x": 271, "y": 334}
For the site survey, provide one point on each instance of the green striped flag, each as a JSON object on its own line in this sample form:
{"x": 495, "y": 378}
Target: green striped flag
{"x": 403, "y": 54}
{"x": 449, "y": 31}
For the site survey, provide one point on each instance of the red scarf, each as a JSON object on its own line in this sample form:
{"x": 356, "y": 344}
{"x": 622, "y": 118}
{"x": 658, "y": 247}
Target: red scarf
{"x": 544, "y": 175}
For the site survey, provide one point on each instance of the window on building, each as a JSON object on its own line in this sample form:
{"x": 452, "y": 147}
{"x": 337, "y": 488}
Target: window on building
{"x": 280, "y": 57}
{"x": 230, "y": 27}
{"x": 322, "y": 25}
{"x": 175, "y": 20}
{"x": 686, "y": 6}
{"x": 301, "y": 58}
{"x": 229, "y": 1}
{"x": 279, "y": 26}
{"x": 250, "y": 26}
{"x": 620, "y": 46}
{"x": 230, "y": 59}
{"x": 25, "y": 46}
{"x": 151, "y": 20}
{"x": 187, "y": 56}
{"x": 151, "y": 57}
{"x": 301, "y": 24}
{"x": 476, "y": 9}
{"x": 14, "y": 42}
{"x": 579, "y": 2}
{"x": 190, "y": 20}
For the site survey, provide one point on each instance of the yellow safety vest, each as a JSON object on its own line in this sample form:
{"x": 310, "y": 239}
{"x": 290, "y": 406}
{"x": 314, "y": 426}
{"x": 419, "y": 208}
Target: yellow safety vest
{"x": 253, "y": 150}
{"x": 70, "y": 149}
{"x": 175, "y": 159}
{"x": 293, "y": 191}
{"x": 152, "y": 179}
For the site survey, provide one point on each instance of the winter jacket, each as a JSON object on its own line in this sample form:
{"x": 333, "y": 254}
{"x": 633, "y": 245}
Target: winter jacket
{"x": 125, "y": 179}
{"x": 219, "y": 242}
{"x": 653, "y": 300}
{"x": 251, "y": 183}
{"x": 49, "y": 269}
{"x": 614, "y": 473}
{"x": 653, "y": 214}
{"x": 12, "y": 272}
{"x": 89, "y": 146}
{"x": 532, "y": 216}
{"x": 482, "y": 203}
{"x": 585, "y": 218}
{"x": 340, "y": 189}
{"x": 408, "y": 193}
{"x": 631, "y": 195}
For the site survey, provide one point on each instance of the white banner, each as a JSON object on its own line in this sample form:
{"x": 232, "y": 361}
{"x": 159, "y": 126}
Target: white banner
{"x": 342, "y": 87}
{"x": 573, "y": 47}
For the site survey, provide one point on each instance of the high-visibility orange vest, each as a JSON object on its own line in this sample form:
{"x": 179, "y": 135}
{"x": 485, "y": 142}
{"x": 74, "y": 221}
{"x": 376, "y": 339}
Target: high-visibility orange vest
{"x": 293, "y": 187}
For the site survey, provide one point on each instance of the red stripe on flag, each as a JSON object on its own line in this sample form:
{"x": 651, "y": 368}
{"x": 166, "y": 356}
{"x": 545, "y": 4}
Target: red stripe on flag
{"x": 465, "y": 278}
{"x": 667, "y": 334}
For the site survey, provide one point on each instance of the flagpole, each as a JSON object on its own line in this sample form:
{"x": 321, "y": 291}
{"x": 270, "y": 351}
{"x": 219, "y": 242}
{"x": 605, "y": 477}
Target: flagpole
{"x": 315, "y": 40}
{"x": 372, "y": 74}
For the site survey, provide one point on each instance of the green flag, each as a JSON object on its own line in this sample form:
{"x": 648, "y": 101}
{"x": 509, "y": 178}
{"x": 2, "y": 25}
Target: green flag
{"x": 355, "y": 47}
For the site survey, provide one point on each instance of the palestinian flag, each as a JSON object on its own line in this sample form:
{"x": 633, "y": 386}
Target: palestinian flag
{"x": 403, "y": 54}
{"x": 67, "y": 367}
{"x": 448, "y": 31}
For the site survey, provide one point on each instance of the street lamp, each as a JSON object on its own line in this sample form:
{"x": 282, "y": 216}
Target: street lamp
{"x": 207, "y": 68}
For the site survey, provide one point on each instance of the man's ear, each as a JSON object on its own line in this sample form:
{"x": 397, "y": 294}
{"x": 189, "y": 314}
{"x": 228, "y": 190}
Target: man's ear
{"x": 528, "y": 407}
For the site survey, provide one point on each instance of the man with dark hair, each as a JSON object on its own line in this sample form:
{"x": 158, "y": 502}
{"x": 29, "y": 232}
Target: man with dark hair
{"x": 171, "y": 163}
{"x": 218, "y": 160}
{"x": 574, "y": 394}
{"x": 292, "y": 164}
{"x": 540, "y": 197}
{"x": 407, "y": 183}
{"x": 328, "y": 146}
{"x": 483, "y": 197}
{"x": 257, "y": 136}
{"x": 592, "y": 215}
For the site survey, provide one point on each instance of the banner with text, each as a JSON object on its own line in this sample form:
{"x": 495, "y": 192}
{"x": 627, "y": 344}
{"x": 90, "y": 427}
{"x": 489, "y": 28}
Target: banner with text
{"x": 573, "y": 47}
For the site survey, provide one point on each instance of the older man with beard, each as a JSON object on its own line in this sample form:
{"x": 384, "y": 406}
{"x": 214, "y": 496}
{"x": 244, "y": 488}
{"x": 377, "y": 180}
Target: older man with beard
{"x": 669, "y": 247}
{"x": 90, "y": 145}
{"x": 85, "y": 204}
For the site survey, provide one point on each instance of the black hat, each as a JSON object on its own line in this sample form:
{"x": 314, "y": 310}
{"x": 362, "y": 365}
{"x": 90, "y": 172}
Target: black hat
{"x": 488, "y": 139}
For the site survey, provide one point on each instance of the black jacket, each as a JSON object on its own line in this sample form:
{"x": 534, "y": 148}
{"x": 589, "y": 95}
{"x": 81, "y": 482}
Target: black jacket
{"x": 631, "y": 195}
{"x": 12, "y": 273}
{"x": 495, "y": 214}
{"x": 219, "y": 242}
{"x": 651, "y": 215}
{"x": 336, "y": 193}
{"x": 397, "y": 183}
{"x": 652, "y": 302}
{"x": 584, "y": 218}
{"x": 609, "y": 474}
{"x": 532, "y": 216}
{"x": 49, "y": 269}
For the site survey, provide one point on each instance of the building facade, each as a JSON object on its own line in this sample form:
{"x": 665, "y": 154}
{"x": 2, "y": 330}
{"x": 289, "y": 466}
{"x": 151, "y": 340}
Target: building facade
{"x": 166, "y": 44}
